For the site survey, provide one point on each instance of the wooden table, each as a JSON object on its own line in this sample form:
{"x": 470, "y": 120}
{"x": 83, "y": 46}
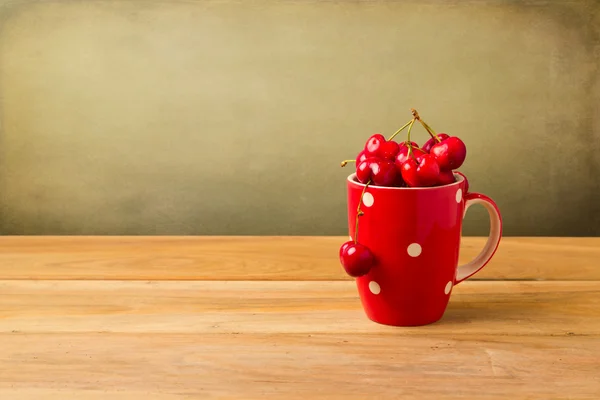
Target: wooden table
{"x": 275, "y": 317}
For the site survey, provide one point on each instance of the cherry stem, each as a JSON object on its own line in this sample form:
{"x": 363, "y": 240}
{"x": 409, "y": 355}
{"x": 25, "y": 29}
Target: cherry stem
{"x": 414, "y": 147}
{"x": 408, "y": 141}
{"x": 427, "y": 127}
{"x": 343, "y": 163}
{"x": 359, "y": 213}
{"x": 430, "y": 131}
{"x": 400, "y": 130}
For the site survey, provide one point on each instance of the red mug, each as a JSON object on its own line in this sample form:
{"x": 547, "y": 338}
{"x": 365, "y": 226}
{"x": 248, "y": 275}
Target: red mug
{"x": 414, "y": 235}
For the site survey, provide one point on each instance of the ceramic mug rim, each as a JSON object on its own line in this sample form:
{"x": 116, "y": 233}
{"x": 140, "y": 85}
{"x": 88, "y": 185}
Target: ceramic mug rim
{"x": 352, "y": 180}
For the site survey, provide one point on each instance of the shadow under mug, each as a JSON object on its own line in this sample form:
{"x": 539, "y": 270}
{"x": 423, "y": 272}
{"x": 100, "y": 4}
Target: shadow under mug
{"x": 415, "y": 234}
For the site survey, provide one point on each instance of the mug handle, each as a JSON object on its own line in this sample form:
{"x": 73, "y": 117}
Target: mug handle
{"x": 467, "y": 270}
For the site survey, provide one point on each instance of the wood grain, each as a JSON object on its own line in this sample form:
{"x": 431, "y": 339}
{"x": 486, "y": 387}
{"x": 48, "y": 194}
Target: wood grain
{"x": 264, "y": 258}
{"x": 297, "y": 340}
{"x": 515, "y": 308}
{"x": 257, "y": 366}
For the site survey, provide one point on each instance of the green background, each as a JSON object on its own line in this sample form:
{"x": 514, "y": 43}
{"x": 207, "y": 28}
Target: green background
{"x": 183, "y": 117}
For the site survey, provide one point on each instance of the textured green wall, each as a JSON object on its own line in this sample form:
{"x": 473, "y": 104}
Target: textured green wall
{"x": 182, "y": 117}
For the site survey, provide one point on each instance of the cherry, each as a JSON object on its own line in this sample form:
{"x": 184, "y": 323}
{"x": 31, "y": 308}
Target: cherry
{"x": 399, "y": 182}
{"x": 388, "y": 150}
{"x": 377, "y": 146}
{"x": 450, "y": 153}
{"x": 360, "y": 157}
{"x": 373, "y": 144}
{"x": 403, "y": 156}
{"x": 446, "y": 178}
{"x": 344, "y": 247}
{"x": 363, "y": 170}
{"x": 429, "y": 144}
{"x": 356, "y": 259}
{"x": 383, "y": 173}
{"x": 424, "y": 171}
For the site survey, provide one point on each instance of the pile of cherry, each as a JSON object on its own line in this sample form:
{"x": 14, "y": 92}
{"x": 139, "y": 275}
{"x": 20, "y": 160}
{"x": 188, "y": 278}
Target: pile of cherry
{"x": 388, "y": 163}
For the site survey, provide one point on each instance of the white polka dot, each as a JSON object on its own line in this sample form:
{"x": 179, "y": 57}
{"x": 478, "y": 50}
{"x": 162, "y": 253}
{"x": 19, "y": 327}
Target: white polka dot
{"x": 448, "y": 287}
{"x": 458, "y": 195}
{"x": 368, "y": 199}
{"x": 374, "y": 287}
{"x": 351, "y": 251}
{"x": 414, "y": 250}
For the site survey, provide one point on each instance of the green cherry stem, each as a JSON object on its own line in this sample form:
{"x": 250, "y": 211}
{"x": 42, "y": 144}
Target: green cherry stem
{"x": 359, "y": 212}
{"x": 408, "y": 141}
{"x": 430, "y": 131}
{"x": 345, "y": 162}
{"x": 427, "y": 127}
{"x": 400, "y": 130}
{"x": 414, "y": 147}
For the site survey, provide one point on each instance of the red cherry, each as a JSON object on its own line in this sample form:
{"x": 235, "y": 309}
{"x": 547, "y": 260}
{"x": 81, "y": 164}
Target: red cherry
{"x": 403, "y": 156}
{"x": 383, "y": 173}
{"x": 388, "y": 150}
{"x": 450, "y": 153}
{"x": 399, "y": 182}
{"x": 344, "y": 247}
{"x": 360, "y": 157}
{"x": 373, "y": 144}
{"x": 446, "y": 178}
{"x": 429, "y": 144}
{"x": 356, "y": 259}
{"x": 409, "y": 172}
{"x": 363, "y": 170}
{"x": 425, "y": 171}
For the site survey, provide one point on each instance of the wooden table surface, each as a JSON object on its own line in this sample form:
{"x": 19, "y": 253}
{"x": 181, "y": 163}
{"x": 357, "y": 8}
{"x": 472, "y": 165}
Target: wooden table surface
{"x": 276, "y": 318}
